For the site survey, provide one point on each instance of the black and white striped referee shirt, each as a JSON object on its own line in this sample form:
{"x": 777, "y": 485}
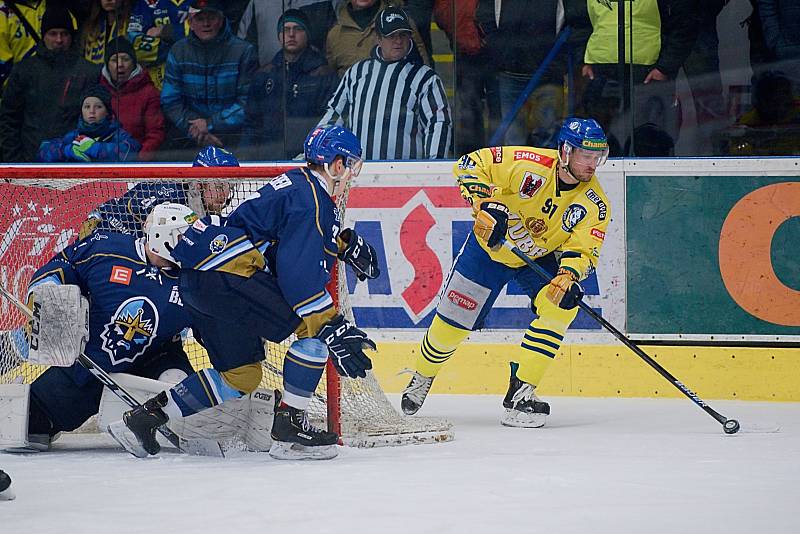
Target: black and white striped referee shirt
{"x": 399, "y": 110}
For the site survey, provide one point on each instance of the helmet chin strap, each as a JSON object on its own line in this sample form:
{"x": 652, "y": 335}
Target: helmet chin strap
{"x": 339, "y": 182}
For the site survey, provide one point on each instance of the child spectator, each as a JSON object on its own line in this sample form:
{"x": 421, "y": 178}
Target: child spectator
{"x": 107, "y": 20}
{"x": 98, "y": 137}
{"x": 134, "y": 98}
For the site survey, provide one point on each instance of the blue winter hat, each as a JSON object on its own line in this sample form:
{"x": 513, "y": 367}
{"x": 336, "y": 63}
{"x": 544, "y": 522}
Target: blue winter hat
{"x": 296, "y": 16}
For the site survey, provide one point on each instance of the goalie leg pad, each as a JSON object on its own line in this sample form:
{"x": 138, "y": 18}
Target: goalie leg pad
{"x": 14, "y": 405}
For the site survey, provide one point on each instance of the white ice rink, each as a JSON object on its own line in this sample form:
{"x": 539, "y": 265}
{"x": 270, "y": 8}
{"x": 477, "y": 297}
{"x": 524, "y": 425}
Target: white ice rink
{"x": 600, "y": 466}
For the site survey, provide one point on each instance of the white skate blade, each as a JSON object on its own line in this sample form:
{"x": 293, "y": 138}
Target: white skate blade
{"x": 282, "y": 450}
{"x": 202, "y": 447}
{"x": 126, "y": 439}
{"x": 519, "y": 419}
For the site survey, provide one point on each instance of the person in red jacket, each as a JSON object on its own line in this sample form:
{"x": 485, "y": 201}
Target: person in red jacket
{"x": 134, "y": 98}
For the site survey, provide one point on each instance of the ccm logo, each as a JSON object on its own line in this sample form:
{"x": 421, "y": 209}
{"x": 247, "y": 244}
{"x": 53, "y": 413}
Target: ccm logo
{"x": 462, "y": 301}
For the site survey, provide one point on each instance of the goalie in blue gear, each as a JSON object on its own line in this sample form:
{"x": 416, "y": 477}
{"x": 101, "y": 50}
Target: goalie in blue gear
{"x": 127, "y": 214}
{"x": 266, "y": 277}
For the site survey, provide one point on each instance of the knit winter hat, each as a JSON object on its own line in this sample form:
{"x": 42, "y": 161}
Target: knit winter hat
{"x": 101, "y": 93}
{"x": 296, "y": 16}
{"x": 120, "y": 45}
{"x": 57, "y": 17}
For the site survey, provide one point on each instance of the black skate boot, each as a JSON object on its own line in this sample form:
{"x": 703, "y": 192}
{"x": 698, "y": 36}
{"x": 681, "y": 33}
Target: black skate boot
{"x": 294, "y": 438}
{"x": 6, "y": 493}
{"x": 523, "y": 407}
{"x": 415, "y": 393}
{"x": 137, "y": 430}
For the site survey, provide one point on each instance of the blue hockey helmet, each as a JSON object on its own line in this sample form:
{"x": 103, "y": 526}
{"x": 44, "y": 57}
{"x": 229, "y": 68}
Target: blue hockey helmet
{"x": 324, "y": 145}
{"x": 585, "y": 135}
{"x": 212, "y": 156}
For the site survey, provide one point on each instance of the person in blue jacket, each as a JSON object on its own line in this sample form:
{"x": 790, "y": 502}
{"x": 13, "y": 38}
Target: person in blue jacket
{"x": 97, "y": 137}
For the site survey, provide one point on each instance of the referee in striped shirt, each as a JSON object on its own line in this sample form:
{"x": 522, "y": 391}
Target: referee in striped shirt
{"x": 392, "y": 101}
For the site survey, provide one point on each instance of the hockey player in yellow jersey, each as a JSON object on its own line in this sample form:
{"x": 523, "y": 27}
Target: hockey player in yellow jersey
{"x": 550, "y": 205}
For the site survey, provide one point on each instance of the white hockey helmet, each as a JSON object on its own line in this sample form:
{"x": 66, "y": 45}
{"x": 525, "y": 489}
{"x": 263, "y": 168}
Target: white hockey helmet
{"x": 164, "y": 226}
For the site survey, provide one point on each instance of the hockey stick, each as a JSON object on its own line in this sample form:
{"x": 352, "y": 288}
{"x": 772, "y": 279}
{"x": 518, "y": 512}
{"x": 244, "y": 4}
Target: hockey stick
{"x": 194, "y": 446}
{"x": 730, "y": 426}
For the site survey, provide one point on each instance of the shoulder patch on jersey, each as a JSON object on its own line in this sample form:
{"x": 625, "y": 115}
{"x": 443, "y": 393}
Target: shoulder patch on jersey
{"x": 121, "y": 275}
{"x": 466, "y": 163}
{"x": 536, "y": 227}
{"x": 529, "y": 155}
{"x": 497, "y": 154}
{"x": 595, "y": 198}
{"x": 200, "y": 226}
{"x": 572, "y": 216}
{"x": 218, "y": 244}
{"x": 530, "y": 184}
{"x": 475, "y": 188}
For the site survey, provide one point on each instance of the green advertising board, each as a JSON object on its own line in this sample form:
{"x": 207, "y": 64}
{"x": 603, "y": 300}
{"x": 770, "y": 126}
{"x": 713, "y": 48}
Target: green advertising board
{"x": 713, "y": 255}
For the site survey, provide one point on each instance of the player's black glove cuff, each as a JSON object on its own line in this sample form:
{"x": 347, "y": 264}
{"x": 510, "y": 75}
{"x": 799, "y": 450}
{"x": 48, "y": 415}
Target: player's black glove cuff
{"x": 359, "y": 254}
{"x": 346, "y": 345}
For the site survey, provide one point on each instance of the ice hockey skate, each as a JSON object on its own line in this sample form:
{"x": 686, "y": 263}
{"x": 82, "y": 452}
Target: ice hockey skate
{"x": 137, "y": 430}
{"x": 294, "y": 438}
{"x": 415, "y": 393}
{"x": 523, "y": 408}
{"x": 6, "y": 493}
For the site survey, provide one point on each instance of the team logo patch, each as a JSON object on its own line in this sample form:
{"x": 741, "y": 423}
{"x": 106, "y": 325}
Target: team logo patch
{"x": 497, "y": 154}
{"x": 594, "y": 197}
{"x": 218, "y": 244}
{"x": 530, "y": 184}
{"x": 535, "y": 157}
{"x": 574, "y": 214}
{"x": 536, "y": 227}
{"x": 191, "y": 218}
{"x": 131, "y": 330}
{"x": 461, "y": 300}
{"x": 120, "y": 275}
{"x": 466, "y": 163}
{"x": 200, "y": 226}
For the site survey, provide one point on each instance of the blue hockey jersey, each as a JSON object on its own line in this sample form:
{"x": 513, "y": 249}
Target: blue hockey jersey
{"x": 294, "y": 223}
{"x": 127, "y": 213}
{"x": 134, "y": 306}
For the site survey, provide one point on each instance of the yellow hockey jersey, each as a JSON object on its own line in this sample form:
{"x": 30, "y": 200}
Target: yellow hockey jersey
{"x": 15, "y": 40}
{"x": 543, "y": 217}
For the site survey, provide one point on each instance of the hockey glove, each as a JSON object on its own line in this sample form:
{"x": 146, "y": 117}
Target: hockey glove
{"x": 80, "y": 147}
{"x": 491, "y": 223}
{"x": 346, "y": 345}
{"x": 359, "y": 254}
{"x": 564, "y": 290}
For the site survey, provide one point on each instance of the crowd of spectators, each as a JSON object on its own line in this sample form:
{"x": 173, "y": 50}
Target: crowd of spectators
{"x": 149, "y": 80}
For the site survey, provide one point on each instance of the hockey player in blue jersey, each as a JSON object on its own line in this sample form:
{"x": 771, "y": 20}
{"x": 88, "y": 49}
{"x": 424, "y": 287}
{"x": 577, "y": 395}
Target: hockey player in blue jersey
{"x": 127, "y": 214}
{"x": 261, "y": 273}
{"x": 135, "y": 318}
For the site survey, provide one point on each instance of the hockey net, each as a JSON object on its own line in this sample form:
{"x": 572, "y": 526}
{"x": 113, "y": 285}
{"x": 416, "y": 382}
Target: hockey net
{"x": 41, "y": 210}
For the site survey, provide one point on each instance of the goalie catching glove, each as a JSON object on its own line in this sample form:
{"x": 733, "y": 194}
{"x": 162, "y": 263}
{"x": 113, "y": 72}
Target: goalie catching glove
{"x": 564, "y": 290}
{"x": 346, "y": 345}
{"x": 359, "y": 254}
{"x": 59, "y": 327}
{"x": 491, "y": 223}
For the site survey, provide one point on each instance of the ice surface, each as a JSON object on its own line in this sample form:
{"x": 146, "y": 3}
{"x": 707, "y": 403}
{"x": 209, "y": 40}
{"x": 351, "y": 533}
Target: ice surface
{"x": 599, "y": 466}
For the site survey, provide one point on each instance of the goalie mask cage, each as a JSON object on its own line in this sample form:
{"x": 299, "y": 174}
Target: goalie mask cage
{"x": 41, "y": 210}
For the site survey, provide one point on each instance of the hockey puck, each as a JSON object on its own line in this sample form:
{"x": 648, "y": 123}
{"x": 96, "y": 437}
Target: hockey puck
{"x": 731, "y": 426}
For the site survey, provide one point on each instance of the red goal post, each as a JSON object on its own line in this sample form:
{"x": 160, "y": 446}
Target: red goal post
{"x": 41, "y": 209}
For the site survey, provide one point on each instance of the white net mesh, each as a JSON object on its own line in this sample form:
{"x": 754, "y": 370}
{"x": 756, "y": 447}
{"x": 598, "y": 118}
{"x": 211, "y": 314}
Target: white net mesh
{"x": 41, "y": 214}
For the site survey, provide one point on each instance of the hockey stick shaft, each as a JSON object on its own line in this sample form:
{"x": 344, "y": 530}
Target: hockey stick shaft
{"x": 624, "y": 339}
{"x": 99, "y": 374}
